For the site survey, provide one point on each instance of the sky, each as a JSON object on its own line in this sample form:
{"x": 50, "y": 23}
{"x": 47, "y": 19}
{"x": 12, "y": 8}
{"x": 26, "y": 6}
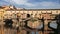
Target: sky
{"x": 33, "y": 4}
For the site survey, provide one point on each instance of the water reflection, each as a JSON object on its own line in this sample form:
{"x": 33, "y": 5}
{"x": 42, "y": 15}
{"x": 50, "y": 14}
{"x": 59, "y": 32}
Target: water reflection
{"x": 40, "y": 26}
{"x": 34, "y": 32}
{"x": 53, "y": 24}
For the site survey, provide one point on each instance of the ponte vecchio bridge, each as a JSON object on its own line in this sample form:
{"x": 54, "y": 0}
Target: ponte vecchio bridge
{"x": 28, "y": 21}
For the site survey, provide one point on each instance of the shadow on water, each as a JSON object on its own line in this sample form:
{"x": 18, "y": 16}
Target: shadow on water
{"x": 8, "y": 23}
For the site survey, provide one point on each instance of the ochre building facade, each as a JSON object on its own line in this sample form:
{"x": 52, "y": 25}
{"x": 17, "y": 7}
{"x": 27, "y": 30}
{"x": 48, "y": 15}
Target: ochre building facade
{"x": 33, "y": 17}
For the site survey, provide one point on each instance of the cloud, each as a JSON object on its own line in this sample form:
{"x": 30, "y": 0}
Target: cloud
{"x": 21, "y": 2}
{"x": 42, "y": 4}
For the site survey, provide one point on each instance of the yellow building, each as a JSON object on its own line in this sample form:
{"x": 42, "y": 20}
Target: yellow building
{"x": 10, "y": 12}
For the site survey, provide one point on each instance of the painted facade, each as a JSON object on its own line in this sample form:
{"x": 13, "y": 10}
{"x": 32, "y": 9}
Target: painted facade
{"x": 13, "y": 13}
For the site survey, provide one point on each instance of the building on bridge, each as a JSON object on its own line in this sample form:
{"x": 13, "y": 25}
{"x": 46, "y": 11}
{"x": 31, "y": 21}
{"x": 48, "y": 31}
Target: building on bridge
{"x": 20, "y": 15}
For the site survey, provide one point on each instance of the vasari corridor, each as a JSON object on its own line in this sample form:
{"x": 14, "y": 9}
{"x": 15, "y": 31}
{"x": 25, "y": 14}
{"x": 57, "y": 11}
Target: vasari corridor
{"x": 29, "y": 21}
